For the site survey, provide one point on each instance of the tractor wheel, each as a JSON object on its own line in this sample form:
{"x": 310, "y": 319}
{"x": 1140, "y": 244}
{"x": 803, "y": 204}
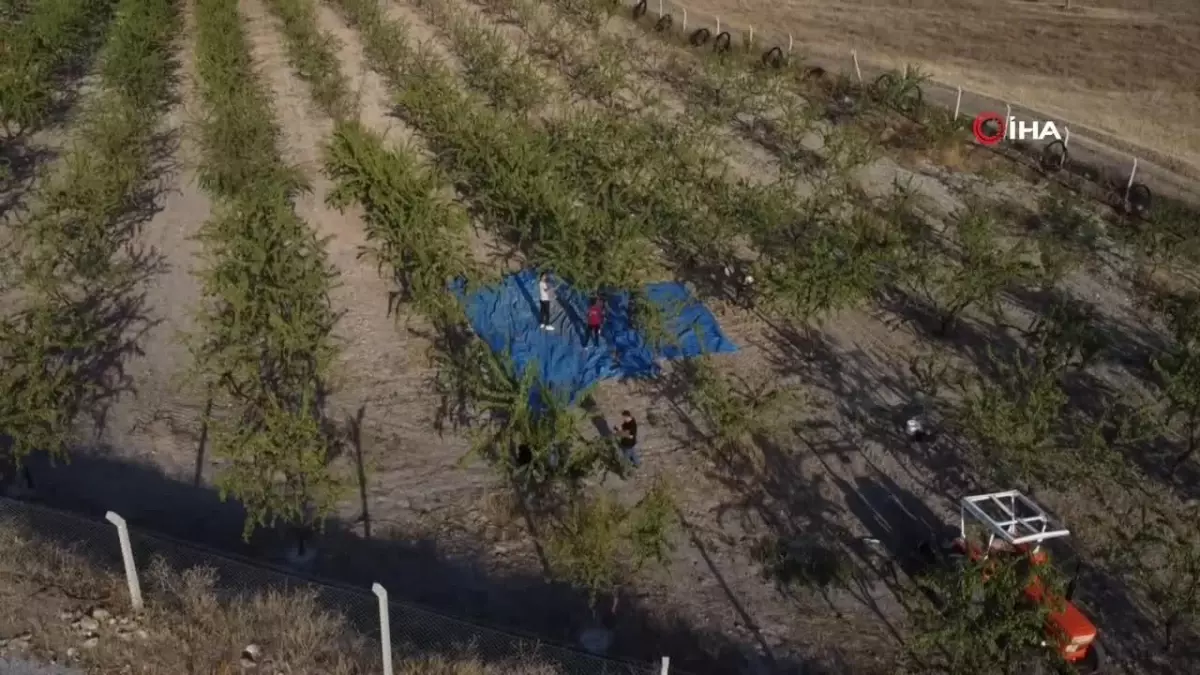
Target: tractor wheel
{"x": 1093, "y": 663}
{"x": 1054, "y": 157}
{"x": 1139, "y": 201}
{"x": 723, "y": 42}
{"x": 773, "y": 58}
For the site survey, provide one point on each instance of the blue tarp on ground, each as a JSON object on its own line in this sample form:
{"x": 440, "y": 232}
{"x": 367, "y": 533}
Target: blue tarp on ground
{"x": 505, "y": 316}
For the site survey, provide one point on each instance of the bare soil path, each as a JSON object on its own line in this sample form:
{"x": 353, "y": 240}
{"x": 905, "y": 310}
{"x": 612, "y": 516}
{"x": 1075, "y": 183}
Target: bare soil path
{"x": 383, "y": 387}
{"x": 160, "y": 423}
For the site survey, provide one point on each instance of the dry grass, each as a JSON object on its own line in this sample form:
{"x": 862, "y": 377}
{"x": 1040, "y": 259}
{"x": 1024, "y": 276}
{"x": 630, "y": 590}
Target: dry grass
{"x": 46, "y": 589}
{"x": 1124, "y": 67}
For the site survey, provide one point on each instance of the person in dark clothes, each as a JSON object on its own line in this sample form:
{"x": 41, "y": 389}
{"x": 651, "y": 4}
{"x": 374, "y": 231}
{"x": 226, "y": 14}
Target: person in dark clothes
{"x": 545, "y": 295}
{"x": 628, "y": 438}
{"x": 595, "y": 319}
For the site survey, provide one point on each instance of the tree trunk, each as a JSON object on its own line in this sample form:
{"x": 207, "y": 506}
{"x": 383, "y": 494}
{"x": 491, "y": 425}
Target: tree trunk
{"x": 1191, "y": 446}
{"x": 946, "y": 323}
{"x": 302, "y": 537}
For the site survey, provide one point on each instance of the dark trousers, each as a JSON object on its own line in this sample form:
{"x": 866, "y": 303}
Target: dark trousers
{"x": 544, "y": 313}
{"x": 592, "y": 336}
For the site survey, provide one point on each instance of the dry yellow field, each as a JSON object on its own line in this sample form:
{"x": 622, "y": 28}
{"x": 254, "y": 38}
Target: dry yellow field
{"x": 1125, "y": 67}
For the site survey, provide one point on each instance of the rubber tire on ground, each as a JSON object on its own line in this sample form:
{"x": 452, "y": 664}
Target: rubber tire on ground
{"x": 639, "y": 10}
{"x": 1139, "y": 201}
{"x": 722, "y": 42}
{"x": 1054, "y": 156}
{"x": 664, "y": 23}
{"x": 773, "y": 58}
{"x": 700, "y": 37}
{"x": 1094, "y": 663}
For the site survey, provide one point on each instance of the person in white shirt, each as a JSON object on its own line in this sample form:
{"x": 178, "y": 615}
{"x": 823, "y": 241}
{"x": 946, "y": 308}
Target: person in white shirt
{"x": 545, "y": 295}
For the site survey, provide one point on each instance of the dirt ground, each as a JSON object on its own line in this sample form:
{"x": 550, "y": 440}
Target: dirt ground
{"x": 1124, "y": 67}
{"x": 447, "y": 535}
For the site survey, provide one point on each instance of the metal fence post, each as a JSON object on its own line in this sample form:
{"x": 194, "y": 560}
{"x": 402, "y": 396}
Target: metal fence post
{"x": 666, "y": 665}
{"x": 131, "y": 576}
{"x": 1132, "y": 173}
{"x": 958, "y": 103}
{"x": 385, "y": 626}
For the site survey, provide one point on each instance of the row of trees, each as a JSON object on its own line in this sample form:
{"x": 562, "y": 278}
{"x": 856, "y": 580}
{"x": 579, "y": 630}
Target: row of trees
{"x": 73, "y": 270}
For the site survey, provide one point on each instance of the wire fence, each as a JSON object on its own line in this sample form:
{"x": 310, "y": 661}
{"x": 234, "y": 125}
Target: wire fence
{"x": 414, "y": 631}
{"x": 1107, "y": 161}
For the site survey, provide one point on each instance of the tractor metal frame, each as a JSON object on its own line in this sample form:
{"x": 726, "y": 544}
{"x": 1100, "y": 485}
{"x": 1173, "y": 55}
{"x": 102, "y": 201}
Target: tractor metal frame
{"x": 1011, "y": 517}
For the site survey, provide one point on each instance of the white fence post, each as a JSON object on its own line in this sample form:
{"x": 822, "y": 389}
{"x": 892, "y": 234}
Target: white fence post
{"x": 750, "y": 40}
{"x": 790, "y": 43}
{"x": 857, "y": 70}
{"x": 1066, "y": 137}
{"x": 660, "y": 8}
{"x": 131, "y": 576}
{"x": 666, "y": 665}
{"x": 1132, "y": 173}
{"x": 385, "y": 627}
{"x": 958, "y": 103}
{"x": 684, "y": 9}
{"x": 718, "y": 25}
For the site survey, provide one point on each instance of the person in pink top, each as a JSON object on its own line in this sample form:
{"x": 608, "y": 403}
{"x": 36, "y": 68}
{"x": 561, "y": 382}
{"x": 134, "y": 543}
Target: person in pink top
{"x": 595, "y": 319}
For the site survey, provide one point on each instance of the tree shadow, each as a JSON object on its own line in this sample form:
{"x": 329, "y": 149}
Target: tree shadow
{"x": 423, "y": 579}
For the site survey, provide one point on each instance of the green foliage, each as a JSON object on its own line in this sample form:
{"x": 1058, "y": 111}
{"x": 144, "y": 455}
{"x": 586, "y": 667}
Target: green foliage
{"x": 981, "y": 269}
{"x": 241, "y": 147}
{"x": 513, "y": 172}
{"x": 263, "y": 346}
{"x": 733, "y": 409}
{"x": 832, "y": 266}
{"x": 77, "y": 264}
{"x": 490, "y": 65}
{"x": 900, "y": 90}
{"x": 1162, "y": 553}
{"x": 413, "y": 227}
{"x": 39, "y": 49}
{"x": 805, "y": 563}
{"x": 1178, "y": 371}
{"x": 599, "y": 544}
{"x": 514, "y": 412}
{"x": 1179, "y": 375}
{"x": 314, "y": 56}
{"x": 981, "y": 620}
{"x": 1014, "y": 416}
{"x": 1065, "y": 336}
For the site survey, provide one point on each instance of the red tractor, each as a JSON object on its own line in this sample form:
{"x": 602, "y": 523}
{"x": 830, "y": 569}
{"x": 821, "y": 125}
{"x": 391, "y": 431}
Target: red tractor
{"x": 1010, "y": 524}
